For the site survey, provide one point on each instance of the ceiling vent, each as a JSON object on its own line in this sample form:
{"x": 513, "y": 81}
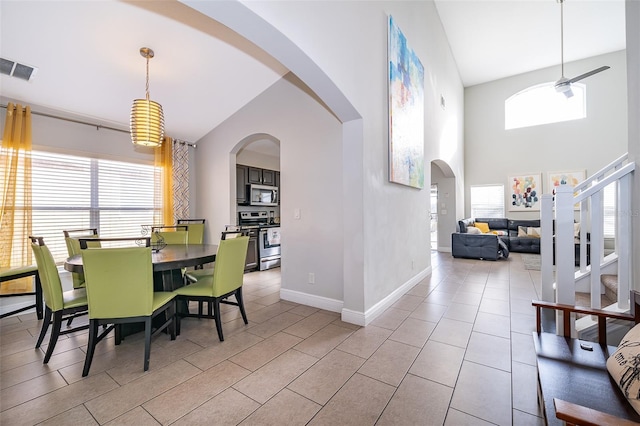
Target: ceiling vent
{"x": 14, "y": 69}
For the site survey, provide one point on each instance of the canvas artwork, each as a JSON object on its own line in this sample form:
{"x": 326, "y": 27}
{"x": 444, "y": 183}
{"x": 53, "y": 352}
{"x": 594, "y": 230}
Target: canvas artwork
{"x": 556, "y": 179}
{"x": 525, "y": 190}
{"x": 406, "y": 111}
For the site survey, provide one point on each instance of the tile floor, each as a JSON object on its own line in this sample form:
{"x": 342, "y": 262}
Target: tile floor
{"x": 456, "y": 350}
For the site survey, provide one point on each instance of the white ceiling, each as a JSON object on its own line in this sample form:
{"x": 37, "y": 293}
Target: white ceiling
{"x": 496, "y": 39}
{"x": 87, "y": 53}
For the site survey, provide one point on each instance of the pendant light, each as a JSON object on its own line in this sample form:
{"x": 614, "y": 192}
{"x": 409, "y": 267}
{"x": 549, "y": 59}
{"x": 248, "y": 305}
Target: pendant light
{"x": 147, "y": 120}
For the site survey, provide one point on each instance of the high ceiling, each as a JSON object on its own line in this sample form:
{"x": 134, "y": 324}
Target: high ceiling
{"x": 87, "y": 53}
{"x": 496, "y": 39}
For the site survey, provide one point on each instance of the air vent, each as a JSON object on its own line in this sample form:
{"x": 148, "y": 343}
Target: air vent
{"x": 14, "y": 69}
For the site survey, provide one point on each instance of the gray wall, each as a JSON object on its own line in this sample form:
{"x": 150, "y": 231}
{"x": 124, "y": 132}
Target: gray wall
{"x": 493, "y": 153}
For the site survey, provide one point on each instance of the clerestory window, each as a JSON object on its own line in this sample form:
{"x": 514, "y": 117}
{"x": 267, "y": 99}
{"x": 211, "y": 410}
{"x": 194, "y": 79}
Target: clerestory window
{"x": 542, "y": 104}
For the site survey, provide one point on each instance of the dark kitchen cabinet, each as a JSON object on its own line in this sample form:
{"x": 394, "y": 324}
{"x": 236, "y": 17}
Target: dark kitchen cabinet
{"x": 255, "y": 175}
{"x": 262, "y": 176}
{"x": 242, "y": 179}
{"x": 268, "y": 177}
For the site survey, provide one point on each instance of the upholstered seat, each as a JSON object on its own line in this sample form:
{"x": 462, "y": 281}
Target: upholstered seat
{"x": 119, "y": 283}
{"x": 59, "y": 305}
{"x": 226, "y": 281}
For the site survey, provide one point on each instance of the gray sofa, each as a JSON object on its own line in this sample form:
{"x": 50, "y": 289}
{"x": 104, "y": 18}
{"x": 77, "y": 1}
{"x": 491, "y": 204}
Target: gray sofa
{"x": 491, "y": 246}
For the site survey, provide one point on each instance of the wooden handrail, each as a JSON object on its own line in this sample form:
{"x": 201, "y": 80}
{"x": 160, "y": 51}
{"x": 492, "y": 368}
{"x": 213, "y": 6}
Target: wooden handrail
{"x": 601, "y": 314}
{"x": 574, "y": 415}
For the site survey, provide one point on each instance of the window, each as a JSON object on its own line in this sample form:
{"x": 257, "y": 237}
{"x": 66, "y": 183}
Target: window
{"x": 71, "y": 192}
{"x": 541, "y": 104}
{"x": 487, "y": 201}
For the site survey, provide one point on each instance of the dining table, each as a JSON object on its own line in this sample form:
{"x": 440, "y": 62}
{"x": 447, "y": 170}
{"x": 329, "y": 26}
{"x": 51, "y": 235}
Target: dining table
{"x": 167, "y": 263}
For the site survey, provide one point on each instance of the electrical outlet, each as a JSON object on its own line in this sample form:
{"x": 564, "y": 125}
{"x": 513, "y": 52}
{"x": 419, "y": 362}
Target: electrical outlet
{"x": 413, "y": 264}
{"x": 296, "y": 213}
{"x": 312, "y": 278}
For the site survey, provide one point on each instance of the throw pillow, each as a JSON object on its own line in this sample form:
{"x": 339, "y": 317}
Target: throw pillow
{"x": 533, "y": 232}
{"x": 522, "y": 231}
{"x": 483, "y": 227}
{"x": 624, "y": 364}
{"x": 473, "y": 230}
{"x": 499, "y": 233}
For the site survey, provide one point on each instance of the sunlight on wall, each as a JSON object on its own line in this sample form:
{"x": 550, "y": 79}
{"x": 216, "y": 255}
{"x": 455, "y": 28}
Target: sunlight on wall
{"x": 541, "y": 104}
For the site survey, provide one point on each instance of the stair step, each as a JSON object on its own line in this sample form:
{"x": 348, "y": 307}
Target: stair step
{"x": 610, "y": 283}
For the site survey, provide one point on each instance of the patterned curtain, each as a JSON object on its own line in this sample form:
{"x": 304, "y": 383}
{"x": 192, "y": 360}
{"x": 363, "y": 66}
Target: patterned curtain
{"x": 180, "y": 179}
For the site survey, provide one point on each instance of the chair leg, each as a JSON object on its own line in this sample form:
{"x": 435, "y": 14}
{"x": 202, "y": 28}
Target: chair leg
{"x": 216, "y": 314}
{"x": 240, "y": 300}
{"x": 55, "y": 333}
{"x": 172, "y": 315}
{"x": 69, "y": 321}
{"x": 45, "y": 326}
{"x": 200, "y": 307}
{"x": 147, "y": 342}
{"x": 91, "y": 346}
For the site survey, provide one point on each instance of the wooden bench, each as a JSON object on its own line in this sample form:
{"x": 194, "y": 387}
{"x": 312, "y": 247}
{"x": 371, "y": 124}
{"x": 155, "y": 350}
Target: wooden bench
{"x": 23, "y": 272}
{"x": 574, "y": 384}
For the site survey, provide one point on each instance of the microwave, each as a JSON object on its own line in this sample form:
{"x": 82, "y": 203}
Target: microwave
{"x": 263, "y": 195}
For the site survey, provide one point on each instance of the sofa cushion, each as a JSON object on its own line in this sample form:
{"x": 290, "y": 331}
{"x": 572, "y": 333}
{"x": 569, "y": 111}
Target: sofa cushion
{"x": 473, "y": 230}
{"x": 624, "y": 364}
{"x": 494, "y": 222}
{"x": 483, "y": 227}
{"x": 513, "y": 224}
{"x": 463, "y": 224}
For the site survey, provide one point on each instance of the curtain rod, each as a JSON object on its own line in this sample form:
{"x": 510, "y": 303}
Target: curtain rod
{"x": 97, "y": 126}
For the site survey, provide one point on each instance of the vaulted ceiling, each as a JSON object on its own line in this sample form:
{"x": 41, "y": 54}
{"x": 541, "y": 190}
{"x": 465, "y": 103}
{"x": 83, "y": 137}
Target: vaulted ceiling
{"x": 88, "y": 60}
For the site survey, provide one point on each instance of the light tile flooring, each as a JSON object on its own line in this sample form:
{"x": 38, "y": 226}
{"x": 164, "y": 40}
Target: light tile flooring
{"x": 456, "y": 350}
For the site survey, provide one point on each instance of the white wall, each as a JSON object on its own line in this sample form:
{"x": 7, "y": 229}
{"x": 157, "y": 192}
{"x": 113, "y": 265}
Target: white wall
{"x": 348, "y": 41}
{"x": 310, "y": 147}
{"x": 493, "y": 153}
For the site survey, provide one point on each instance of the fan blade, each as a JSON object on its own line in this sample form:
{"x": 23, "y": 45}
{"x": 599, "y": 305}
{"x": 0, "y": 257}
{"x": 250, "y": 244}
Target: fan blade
{"x": 588, "y": 74}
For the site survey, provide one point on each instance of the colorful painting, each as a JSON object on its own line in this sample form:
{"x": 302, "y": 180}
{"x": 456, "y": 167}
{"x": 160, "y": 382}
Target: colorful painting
{"x": 556, "y": 179}
{"x": 406, "y": 111}
{"x": 525, "y": 192}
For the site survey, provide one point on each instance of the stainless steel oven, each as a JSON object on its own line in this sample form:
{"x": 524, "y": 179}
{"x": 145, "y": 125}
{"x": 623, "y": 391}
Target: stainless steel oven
{"x": 268, "y": 237}
{"x": 269, "y": 247}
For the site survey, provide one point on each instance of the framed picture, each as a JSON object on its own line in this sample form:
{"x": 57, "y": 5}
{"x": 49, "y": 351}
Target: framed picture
{"x": 556, "y": 179}
{"x": 406, "y": 111}
{"x": 524, "y": 192}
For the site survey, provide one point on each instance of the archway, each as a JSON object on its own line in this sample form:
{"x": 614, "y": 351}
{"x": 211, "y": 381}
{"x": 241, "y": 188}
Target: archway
{"x": 443, "y": 177}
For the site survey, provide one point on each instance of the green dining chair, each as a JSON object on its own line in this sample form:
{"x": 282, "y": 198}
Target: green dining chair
{"x": 119, "y": 283}
{"x": 73, "y": 247}
{"x": 170, "y": 234}
{"x": 59, "y": 305}
{"x": 195, "y": 232}
{"x": 225, "y": 282}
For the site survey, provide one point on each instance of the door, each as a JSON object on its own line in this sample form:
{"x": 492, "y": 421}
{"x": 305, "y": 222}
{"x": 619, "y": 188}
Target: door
{"x": 434, "y": 217}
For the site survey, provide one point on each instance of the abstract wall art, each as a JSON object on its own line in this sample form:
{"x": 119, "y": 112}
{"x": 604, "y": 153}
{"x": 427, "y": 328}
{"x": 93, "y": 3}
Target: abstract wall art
{"x": 525, "y": 191}
{"x": 556, "y": 179}
{"x": 406, "y": 111}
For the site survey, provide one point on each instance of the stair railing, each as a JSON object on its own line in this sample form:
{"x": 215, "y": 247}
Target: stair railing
{"x": 588, "y": 196}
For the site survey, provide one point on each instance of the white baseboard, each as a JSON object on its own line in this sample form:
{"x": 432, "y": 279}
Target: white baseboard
{"x": 320, "y": 302}
{"x": 444, "y": 249}
{"x": 360, "y": 318}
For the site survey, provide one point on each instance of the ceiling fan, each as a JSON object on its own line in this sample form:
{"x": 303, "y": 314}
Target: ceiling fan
{"x": 564, "y": 84}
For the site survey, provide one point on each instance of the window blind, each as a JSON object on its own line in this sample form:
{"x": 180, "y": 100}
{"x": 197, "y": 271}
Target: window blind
{"x": 487, "y": 201}
{"x": 73, "y": 192}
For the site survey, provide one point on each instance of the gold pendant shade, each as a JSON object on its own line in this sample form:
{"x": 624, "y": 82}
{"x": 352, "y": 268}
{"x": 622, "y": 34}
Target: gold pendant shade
{"x": 147, "y": 118}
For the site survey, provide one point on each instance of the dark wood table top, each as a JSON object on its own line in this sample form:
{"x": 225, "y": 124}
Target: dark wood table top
{"x": 173, "y": 256}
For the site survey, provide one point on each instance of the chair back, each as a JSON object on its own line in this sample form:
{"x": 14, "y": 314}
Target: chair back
{"x": 71, "y": 238}
{"x": 228, "y": 272}
{"x": 176, "y": 234}
{"x": 195, "y": 232}
{"x": 119, "y": 281}
{"x": 96, "y": 242}
{"x": 48, "y": 272}
{"x": 227, "y": 235}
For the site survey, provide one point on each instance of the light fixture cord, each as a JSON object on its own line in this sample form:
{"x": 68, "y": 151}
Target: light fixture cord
{"x": 561, "y": 37}
{"x": 147, "y": 87}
